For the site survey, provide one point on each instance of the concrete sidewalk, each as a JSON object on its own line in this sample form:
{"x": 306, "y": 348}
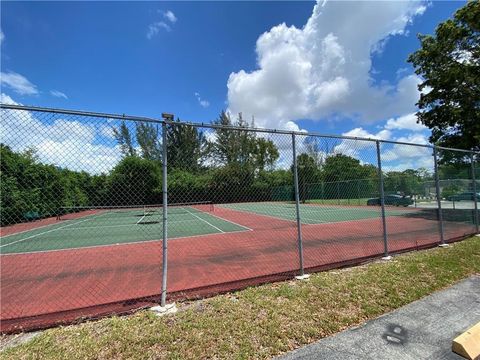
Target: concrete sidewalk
{"x": 423, "y": 329}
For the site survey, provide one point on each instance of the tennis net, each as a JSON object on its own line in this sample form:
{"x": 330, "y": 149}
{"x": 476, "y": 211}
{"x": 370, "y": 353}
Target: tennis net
{"x": 76, "y": 212}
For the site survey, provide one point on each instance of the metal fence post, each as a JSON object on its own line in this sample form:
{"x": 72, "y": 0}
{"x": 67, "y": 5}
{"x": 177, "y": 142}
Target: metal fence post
{"x": 475, "y": 214}
{"x": 297, "y": 207}
{"x": 358, "y": 191}
{"x": 323, "y": 192}
{"x": 165, "y": 214}
{"x": 338, "y": 193}
{"x": 386, "y": 256}
{"x": 439, "y": 198}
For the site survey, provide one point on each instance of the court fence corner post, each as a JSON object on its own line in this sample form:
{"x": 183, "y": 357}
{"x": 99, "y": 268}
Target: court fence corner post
{"x": 164, "y": 308}
{"x": 439, "y": 198}
{"x": 302, "y": 275}
{"x": 164, "y": 216}
{"x": 386, "y": 255}
{"x": 475, "y": 196}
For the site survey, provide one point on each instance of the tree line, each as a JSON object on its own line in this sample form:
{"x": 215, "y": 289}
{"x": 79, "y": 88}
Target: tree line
{"x": 228, "y": 165}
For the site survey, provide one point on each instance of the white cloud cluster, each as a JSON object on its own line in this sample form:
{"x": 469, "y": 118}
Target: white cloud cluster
{"x": 65, "y": 143}
{"x": 18, "y": 83}
{"x": 324, "y": 68}
{"x": 58, "y": 94}
{"x": 401, "y": 157}
{"x": 406, "y": 122}
{"x": 395, "y": 156}
{"x": 155, "y": 27}
{"x": 203, "y": 103}
{"x": 170, "y": 16}
{"x": 2, "y": 36}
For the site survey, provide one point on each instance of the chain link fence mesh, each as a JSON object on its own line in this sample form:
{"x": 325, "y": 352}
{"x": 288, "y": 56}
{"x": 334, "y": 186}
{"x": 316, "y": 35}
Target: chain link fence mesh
{"x": 457, "y": 193}
{"x": 337, "y": 177}
{"x": 82, "y": 209}
{"x": 411, "y": 201}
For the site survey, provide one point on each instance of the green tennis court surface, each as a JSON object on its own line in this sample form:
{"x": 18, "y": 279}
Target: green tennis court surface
{"x": 111, "y": 227}
{"x": 314, "y": 214}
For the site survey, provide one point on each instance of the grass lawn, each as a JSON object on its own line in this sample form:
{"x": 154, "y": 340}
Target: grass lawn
{"x": 262, "y": 321}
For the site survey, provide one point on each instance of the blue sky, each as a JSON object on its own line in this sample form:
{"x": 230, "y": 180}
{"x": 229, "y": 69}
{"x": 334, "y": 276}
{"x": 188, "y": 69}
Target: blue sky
{"x": 337, "y": 68}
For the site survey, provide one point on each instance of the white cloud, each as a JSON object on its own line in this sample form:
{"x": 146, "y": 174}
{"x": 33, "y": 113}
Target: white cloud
{"x": 154, "y": 28}
{"x": 405, "y": 122}
{"x": 203, "y": 103}
{"x": 58, "y": 94}
{"x": 107, "y": 131}
{"x": 5, "y": 99}
{"x": 354, "y": 147}
{"x": 398, "y": 157}
{"x": 323, "y": 68}
{"x": 394, "y": 156}
{"x": 362, "y": 133}
{"x": 2, "y": 36}
{"x": 66, "y": 143}
{"x": 18, "y": 83}
{"x": 170, "y": 16}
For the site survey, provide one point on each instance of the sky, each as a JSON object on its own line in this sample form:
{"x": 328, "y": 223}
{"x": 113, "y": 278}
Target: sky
{"x": 333, "y": 67}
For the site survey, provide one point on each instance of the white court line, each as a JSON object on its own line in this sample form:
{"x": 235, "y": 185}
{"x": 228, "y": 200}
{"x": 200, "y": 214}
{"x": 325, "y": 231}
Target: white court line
{"x": 24, "y": 231}
{"x": 48, "y": 231}
{"x": 232, "y": 222}
{"x": 251, "y": 212}
{"x": 292, "y": 220}
{"x": 141, "y": 219}
{"x": 199, "y": 218}
{"x": 121, "y": 244}
{"x": 126, "y": 225}
{"x": 120, "y": 225}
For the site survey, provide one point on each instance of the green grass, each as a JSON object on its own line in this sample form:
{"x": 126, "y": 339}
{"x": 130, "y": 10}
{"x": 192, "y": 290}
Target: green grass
{"x": 263, "y": 321}
{"x": 107, "y": 228}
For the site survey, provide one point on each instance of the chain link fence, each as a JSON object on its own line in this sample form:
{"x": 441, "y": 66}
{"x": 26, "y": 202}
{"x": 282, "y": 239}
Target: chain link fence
{"x": 104, "y": 213}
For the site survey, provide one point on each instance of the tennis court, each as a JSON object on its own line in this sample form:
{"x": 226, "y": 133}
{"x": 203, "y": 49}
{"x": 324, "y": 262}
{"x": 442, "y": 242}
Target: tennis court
{"x": 316, "y": 213}
{"x": 101, "y": 226}
{"x": 88, "y": 227}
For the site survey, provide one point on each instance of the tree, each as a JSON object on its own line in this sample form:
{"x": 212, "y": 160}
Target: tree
{"x": 266, "y": 153}
{"x": 308, "y": 173}
{"x": 318, "y": 148}
{"x": 148, "y": 140}
{"x": 135, "y": 181}
{"x": 342, "y": 167}
{"x": 232, "y": 183}
{"x": 345, "y": 177}
{"x": 186, "y": 146}
{"x": 233, "y": 146}
{"x": 449, "y": 63}
{"x": 32, "y": 190}
{"x": 244, "y": 147}
{"x": 407, "y": 182}
{"x": 124, "y": 139}
{"x": 186, "y": 186}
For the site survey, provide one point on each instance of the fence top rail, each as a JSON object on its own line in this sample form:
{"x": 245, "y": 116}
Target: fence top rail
{"x": 216, "y": 126}
{"x": 78, "y": 112}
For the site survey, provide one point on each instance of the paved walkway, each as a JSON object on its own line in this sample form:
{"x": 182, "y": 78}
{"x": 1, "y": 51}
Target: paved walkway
{"x": 423, "y": 329}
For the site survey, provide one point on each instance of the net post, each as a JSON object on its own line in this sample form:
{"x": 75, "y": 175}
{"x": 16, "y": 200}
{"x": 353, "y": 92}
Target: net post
{"x": 297, "y": 208}
{"x": 386, "y": 256}
{"x": 165, "y": 215}
{"x": 475, "y": 200}
{"x": 439, "y": 198}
